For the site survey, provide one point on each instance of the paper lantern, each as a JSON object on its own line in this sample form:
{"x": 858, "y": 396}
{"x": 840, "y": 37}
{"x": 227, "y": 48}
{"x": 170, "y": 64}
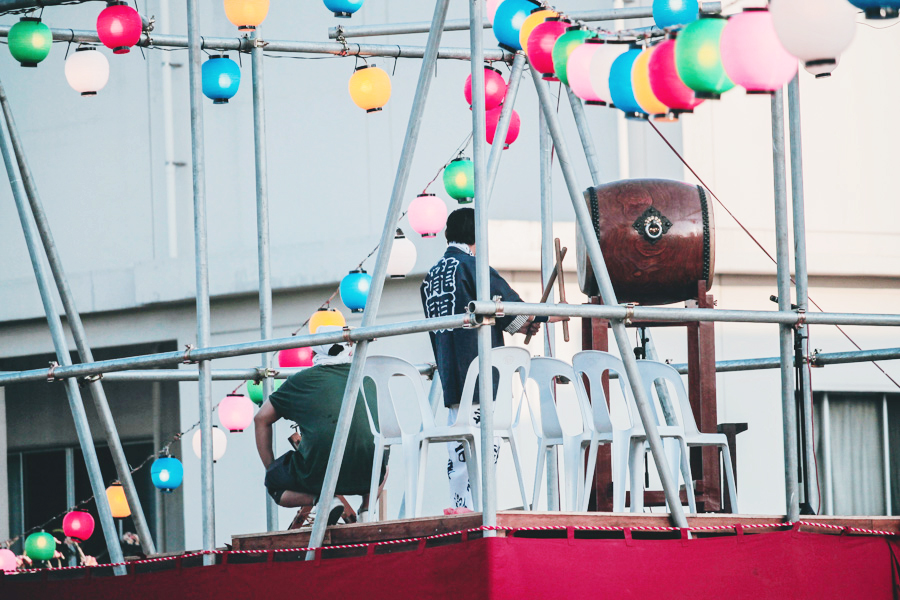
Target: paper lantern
{"x": 118, "y": 503}
{"x": 294, "y": 358}
{"x": 87, "y": 71}
{"x": 355, "y": 289}
{"x": 508, "y": 20}
{"x": 601, "y": 64}
{"x": 494, "y": 88}
{"x": 247, "y": 15}
{"x": 815, "y": 31}
{"x": 640, "y": 83}
{"x": 78, "y": 525}
{"x": 491, "y": 9}
{"x": 621, "y": 88}
{"x": 579, "y": 71}
{"x": 670, "y": 13}
{"x": 370, "y": 88}
{"x": 565, "y": 44}
{"x": 403, "y": 256}
{"x": 119, "y": 27}
{"x": 541, "y": 43}
{"x": 219, "y": 439}
{"x": 326, "y": 316}
{"x": 698, "y": 59}
{"x": 8, "y": 561}
{"x": 29, "y": 41}
{"x": 666, "y": 84}
{"x": 427, "y": 215}
{"x": 221, "y": 78}
{"x": 343, "y": 8}
{"x": 40, "y": 546}
{"x": 492, "y": 119}
{"x": 878, "y": 9}
{"x": 235, "y": 412}
{"x": 255, "y": 390}
{"x": 167, "y": 473}
{"x": 537, "y": 16}
{"x": 459, "y": 181}
{"x": 752, "y": 55}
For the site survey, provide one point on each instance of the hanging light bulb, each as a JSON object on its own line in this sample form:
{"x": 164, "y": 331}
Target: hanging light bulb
{"x": 666, "y": 84}
{"x": 87, "y": 70}
{"x": 541, "y": 43}
{"x": 355, "y": 289}
{"x": 752, "y": 55}
{"x": 370, "y": 88}
{"x": 235, "y": 412}
{"x": 491, "y": 9}
{"x": 508, "y": 21}
{"x": 326, "y": 316}
{"x": 601, "y": 65}
{"x": 643, "y": 92}
{"x": 494, "y": 88}
{"x": 459, "y": 180}
{"x": 671, "y": 13}
{"x": 815, "y": 31}
{"x": 878, "y": 9}
{"x": 537, "y": 16}
{"x": 40, "y": 546}
{"x": 118, "y": 503}
{"x": 8, "y": 561}
{"x": 219, "y": 440}
{"x": 255, "y": 390}
{"x": 573, "y": 37}
{"x": 119, "y": 27}
{"x": 579, "y": 71}
{"x": 295, "y": 358}
{"x": 167, "y": 473}
{"x": 403, "y": 256}
{"x": 78, "y": 525}
{"x": 343, "y": 9}
{"x": 221, "y": 78}
{"x": 427, "y": 215}
{"x": 621, "y": 88}
{"x": 246, "y": 15}
{"x": 492, "y": 119}
{"x": 698, "y": 59}
{"x": 29, "y": 41}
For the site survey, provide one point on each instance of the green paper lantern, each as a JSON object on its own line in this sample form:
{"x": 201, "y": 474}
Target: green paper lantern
{"x": 698, "y": 59}
{"x": 255, "y": 391}
{"x": 459, "y": 180}
{"x": 571, "y": 39}
{"x": 40, "y": 546}
{"x": 29, "y": 41}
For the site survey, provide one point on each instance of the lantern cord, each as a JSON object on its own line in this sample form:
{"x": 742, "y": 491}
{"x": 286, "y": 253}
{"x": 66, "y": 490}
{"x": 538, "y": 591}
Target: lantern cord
{"x": 757, "y": 242}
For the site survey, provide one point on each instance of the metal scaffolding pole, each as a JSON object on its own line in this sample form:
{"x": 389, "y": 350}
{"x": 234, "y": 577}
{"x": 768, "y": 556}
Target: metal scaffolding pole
{"x": 782, "y": 239}
{"x": 82, "y": 429}
{"x": 207, "y": 484}
{"x": 609, "y": 296}
{"x": 384, "y": 251}
{"x": 79, "y": 334}
{"x": 515, "y": 78}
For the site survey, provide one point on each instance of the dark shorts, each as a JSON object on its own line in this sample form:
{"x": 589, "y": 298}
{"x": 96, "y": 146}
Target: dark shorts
{"x": 279, "y": 478}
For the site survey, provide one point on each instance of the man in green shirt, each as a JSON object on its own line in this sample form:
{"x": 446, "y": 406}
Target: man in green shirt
{"x": 312, "y": 399}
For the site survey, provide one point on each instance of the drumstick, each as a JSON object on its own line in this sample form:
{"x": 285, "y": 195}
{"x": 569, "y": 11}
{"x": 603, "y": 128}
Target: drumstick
{"x": 549, "y": 287}
{"x": 562, "y": 287}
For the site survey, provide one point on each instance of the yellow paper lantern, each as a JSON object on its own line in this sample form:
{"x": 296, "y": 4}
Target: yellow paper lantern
{"x": 370, "y": 87}
{"x": 533, "y": 20}
{"x": 118, "y": 504}
{"x": 246, "y": 14}
{"x": 326, "y": 316}
{"x": 640, "y": 83}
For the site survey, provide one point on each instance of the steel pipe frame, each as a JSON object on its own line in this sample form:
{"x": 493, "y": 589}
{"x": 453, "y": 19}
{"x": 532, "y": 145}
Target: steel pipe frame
{"x": 512, "y": 91}
{"x": 76, "y": 404}
{"x": 612, "y": 14}
{"x": 73, "y": 317}
{"x": 378, "y": 275}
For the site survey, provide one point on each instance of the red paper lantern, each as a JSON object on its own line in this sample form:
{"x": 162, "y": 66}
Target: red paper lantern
{"x": 492, "y": 118}
{"x": 494, "y": 88}
{"x": 540, "y": 45}
{"x": 666, "y": 84}
{"x": 119, "y": 27}
{"x": 295, "y": 357}
{"x": 78, "y": 525}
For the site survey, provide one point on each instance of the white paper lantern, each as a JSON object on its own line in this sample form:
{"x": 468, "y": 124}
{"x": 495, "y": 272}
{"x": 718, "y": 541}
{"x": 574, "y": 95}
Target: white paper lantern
{"x": 815, "y": 31}
{"x": 220, "y": 442}
{"x": 403, "y": 256}
{"x": 600, "y": 65}
{"x": 87, "y": 71}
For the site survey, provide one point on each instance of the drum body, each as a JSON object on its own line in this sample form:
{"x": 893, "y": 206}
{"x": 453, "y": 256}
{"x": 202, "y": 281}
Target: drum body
{"x": 657, "y": 237}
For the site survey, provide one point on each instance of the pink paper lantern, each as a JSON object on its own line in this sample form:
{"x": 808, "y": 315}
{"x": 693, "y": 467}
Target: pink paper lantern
{"x": 578, "y": 70}
{"x": 494, "y": 88}
{"x": 235, "y": 412}
{"x": 752, "y": 54}
{"x": 492, "y": 119}
{"x": 295, "y": 357}
{"x": 540, "y": 46}
{"x": 78, "y": 525}
{"x": 666, "y": 84}
{"x": 492, "y": 6}
{"x": 427, "y": 215}
{"x": 8, "y": 562}
{"x": 601, "y": 63}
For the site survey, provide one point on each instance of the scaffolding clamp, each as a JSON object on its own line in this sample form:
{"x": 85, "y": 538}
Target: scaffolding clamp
{"x": 814, "y": 359}
{"x": 629, "y": 313}
{"x": 343, "y": 41}
{"x": 50, "y": 376}
{"x": 93, "y": 378}
{"x": 187, "y": 354}
{"x": 801, "y": 319}
{"x": 498, "y": 311}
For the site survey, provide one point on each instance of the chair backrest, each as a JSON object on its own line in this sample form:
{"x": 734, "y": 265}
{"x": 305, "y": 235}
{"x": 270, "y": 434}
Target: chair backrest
{"x": 381, "y": 369}
{"x": 544, "y": 372}
{"x": 593, "y": 363}
{"x": 508, "y": 361}
{"x": 652, "y": 371}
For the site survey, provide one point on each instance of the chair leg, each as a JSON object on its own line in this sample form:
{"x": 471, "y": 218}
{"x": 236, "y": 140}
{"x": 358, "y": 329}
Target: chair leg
{"x": 420, "y": 478}
{"x": 589, "y": 473}
{"x": 411, "y": 458}
{"x": 374, "y": 500}
{"x": 515, "y": 454}
{"x": 729, "y": 478}
{"x": 539, "y": 472}
{"x": 472, "y": 468}
{"x": 574, "y": 474}
{"x": 636, "y": 455}
{"x": 621, "y": 453}
{"x": 688, "y": 477}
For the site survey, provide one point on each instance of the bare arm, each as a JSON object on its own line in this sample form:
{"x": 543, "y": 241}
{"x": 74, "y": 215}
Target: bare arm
{"x": 263, "y": 422}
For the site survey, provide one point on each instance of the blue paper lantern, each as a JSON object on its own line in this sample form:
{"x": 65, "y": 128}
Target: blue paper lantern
{"x": 343, "y": 8}
{"x": 221, "y": 78}
{"x": 355, "y": 290}
{"x": 621, "y": 89}
{"x": 166, "y": 473}
{"x": 878, "y": 9}
{"x": 669, "y": 13}
{"x": 508, "y": 21}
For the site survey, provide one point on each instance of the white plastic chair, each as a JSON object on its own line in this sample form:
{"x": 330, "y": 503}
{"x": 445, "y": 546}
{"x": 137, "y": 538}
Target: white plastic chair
{"x": 651, "y": 372}
{"x": 508, "y": 361}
